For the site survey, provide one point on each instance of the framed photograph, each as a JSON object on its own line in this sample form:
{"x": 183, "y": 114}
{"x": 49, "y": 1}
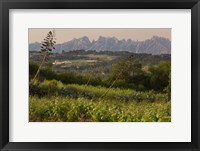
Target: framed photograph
{"x": 99, "y": 75}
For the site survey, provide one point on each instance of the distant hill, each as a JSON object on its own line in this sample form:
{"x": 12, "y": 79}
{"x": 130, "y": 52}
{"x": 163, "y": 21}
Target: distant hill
{"x": 155, "y": 45}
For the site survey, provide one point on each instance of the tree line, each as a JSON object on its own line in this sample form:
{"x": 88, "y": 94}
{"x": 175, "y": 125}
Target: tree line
{"x": 126, "y": 74}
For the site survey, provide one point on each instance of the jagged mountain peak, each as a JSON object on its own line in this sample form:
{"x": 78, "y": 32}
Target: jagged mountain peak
{"x": 155, "y": 45}
{"x": 85, "y": 38}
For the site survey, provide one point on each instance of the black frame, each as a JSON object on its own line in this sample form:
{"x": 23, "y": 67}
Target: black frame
{"x": 5, "y": 5}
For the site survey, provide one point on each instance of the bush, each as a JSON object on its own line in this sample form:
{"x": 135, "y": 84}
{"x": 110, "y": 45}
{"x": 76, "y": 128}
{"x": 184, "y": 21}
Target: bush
{"x": 56, "y": 88}
{"x": 35, "y": 89}
{"x": 51, "y": 86}
{"x": 47, "y": 87}
{"x": 32, "y": 69}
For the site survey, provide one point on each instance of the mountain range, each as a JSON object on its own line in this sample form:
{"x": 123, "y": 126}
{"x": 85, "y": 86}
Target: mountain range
{"x": 155, "y": 45}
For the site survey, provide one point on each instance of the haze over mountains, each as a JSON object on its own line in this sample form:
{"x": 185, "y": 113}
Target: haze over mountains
{"x": 155, "y": 45}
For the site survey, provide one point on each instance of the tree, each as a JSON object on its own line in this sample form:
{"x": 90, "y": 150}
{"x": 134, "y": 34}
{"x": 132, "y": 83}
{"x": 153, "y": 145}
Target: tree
{"x": 168, "y": 88}
{"x": 159, "y": 78}
{"x": 129, "y": 74}
{"x": 46, "y": 48}
{"x": 126, "y": 70}
{"x": 123, "y": 70}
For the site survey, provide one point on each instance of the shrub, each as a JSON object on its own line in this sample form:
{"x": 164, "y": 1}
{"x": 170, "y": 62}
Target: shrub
{"x": 56, "y": 88}
{"x": 51, "y": 86}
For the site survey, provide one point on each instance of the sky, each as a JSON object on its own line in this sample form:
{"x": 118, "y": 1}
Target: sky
{"x": 67, "y": 34}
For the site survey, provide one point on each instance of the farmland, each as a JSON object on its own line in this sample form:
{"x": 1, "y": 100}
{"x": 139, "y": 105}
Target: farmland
{"x": 90, "y": 86}
{"x": 81, "y": 103}
{"x": 92, "y": 62}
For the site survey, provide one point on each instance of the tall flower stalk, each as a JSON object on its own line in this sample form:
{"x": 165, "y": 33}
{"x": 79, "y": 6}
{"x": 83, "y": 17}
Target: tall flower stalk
{"x": 46, "y": 48}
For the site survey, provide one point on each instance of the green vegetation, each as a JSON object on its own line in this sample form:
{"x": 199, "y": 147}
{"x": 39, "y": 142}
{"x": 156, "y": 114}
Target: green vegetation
{"x": 86, "y": 62}
{"x": 90, "y": 86}
{"x": 54, "y": 101}
{"x": 85, "y": 110}
{"x": 125, "y": 74}
{"x": 56, "y": 88}
{"x": 46, "y": 48}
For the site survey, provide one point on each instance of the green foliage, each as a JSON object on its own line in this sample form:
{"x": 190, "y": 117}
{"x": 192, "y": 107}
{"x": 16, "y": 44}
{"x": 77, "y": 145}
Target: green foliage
{"x": 126, "y": 70}
{"x": 133, "y": 91}
{"x": 168, "y": 88}
{"x": 130, "y": 74}
{"x": 78, "y": 110}
{"x": 126, "y": 74}
{"x": 32, "y": 69}
{"x": 66, "y": 78}
{"x": 144, "y": 59}
{"x": 160, "y": 76}
{"x": 51, "y": 87}
{"x": 47, "y": 74}
{"x": 55, "y": 88}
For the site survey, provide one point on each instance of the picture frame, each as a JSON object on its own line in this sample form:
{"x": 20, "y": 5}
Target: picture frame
{"x": 5, "y": 5}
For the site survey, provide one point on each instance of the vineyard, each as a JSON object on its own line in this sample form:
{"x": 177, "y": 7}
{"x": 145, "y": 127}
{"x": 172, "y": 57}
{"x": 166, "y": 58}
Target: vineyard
{"x": 81, "y": 103}
{"x": 81, "y": 85}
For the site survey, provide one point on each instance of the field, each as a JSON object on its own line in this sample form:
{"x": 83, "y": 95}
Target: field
{"x": 93, "y": 63}
{"x": 81, "y": 103}
{"x": 90, "y": 86}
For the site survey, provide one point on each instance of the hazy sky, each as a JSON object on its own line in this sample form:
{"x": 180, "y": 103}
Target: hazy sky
{"x": 66, "y": 34}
